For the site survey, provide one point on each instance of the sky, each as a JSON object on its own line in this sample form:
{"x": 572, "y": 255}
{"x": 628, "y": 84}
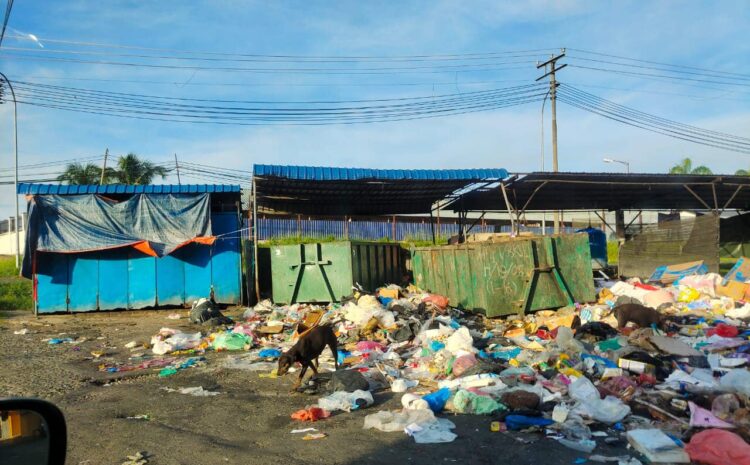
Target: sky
{"x": 707, "y": 35}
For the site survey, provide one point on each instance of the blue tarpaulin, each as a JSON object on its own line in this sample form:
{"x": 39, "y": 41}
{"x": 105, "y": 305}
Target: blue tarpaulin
{"x": 156, "y": 224}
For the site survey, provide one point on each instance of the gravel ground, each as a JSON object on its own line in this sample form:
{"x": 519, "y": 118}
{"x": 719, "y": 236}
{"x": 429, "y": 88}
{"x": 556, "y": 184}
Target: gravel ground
{"x": 247, "y": 423}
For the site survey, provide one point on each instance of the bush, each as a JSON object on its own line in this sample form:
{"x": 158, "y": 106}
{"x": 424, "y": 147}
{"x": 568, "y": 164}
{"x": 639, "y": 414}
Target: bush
{"x": 15, "y": 291}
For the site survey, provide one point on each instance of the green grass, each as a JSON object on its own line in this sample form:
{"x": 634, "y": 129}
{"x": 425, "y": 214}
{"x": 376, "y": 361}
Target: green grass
{"x": 15, "y": 291}
{"x": 293, "y": 240}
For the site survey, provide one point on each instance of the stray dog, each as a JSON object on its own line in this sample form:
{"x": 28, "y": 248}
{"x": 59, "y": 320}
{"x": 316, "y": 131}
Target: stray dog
{"x": 307, "y": 350}
{"x": 643, "y": 316}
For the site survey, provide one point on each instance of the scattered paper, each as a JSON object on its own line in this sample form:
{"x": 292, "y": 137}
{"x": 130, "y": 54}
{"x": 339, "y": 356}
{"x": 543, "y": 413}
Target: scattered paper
{"x": 303, "y": 430}
{"x": 22, "y": 331}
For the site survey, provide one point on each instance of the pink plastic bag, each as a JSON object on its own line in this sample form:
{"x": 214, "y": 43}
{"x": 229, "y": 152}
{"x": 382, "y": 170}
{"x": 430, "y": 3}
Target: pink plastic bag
{"x": 718, "y": 447}
{"x": 702, "y": 418}
{"x": 369, "y": 346}
{"x": 463, "y": 363}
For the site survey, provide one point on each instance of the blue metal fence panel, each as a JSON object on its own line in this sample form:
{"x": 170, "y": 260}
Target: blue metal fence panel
{"x": 83, "y": 270}
{"x": 320, "y": 173}
{"x": 226, "y": 258}
{"x": 197, "y": 262}
{"x": 141, "y": 280}
{"x": 51, "y": 282}
{"x": 170, "y": 280}
{"x": 113, "y": 279}
{"x": 62, "y": 189}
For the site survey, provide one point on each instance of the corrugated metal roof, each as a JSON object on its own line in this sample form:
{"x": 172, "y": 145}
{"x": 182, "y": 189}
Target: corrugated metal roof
{"x": 320, "y": 173}
{"x": 61, "y": 189}
{"x": 357, "y": 191}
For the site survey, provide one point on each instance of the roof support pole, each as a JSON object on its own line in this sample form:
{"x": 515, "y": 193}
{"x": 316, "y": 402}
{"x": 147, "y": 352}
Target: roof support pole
{"x": 255, "y": 240}
{"x": 510, "y": 209}
{"x": 604, "y": 222}
{"x": 697, "y": 196}
{"x": 531, "y": 197}
{"x": 716, "y": 201}
{"x": 432, "y": 228}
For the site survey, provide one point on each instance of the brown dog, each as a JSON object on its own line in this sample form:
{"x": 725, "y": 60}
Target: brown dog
{"x": 643, "y": 316}
{"x": 307, "y": 350}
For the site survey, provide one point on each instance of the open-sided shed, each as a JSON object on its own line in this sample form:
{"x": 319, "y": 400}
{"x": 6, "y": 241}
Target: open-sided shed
{"x": 106, "y": 247}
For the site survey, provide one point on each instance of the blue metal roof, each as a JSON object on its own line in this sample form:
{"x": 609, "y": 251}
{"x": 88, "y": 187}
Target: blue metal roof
{"x": 61, "y": 189}
{"x": 320, "y": 173}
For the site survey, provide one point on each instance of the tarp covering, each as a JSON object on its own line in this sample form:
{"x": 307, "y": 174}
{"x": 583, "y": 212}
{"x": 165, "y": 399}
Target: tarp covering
{"x": 155, "y": 224}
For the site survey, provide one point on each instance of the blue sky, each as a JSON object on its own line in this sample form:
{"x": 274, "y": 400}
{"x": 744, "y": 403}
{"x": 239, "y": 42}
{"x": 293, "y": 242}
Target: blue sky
{"x": 709, "y": 35}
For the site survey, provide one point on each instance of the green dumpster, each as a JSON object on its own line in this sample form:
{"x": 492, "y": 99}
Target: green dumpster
{"x": 326, "y": 272}
{"x": 516, "y": 276}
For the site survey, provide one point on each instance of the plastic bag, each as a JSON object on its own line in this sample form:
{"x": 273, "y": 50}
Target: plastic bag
{"x": 688, "y": 294}
{"x": 402, "y": 385}
{"x": 608, "y": 410}
{"x": 269, "y": 353}
{"x": 231, "y": 341}
{"x": 436, "y": 400}
{"x": 702, "y": 418}
{"x": 463, "y": 363}
{"x": 581, "y": 445}
{"x": 346, "y": 401}
{"x": 468, "y": 402}
{"x": 435, "y": 432}
{"x": 414, "y": 402}
{"x": 518, "y": 422}
{"x": 736, "y": 381}
{"x": 723, "y": 330}
{"x": 388, "y": 421}
{"x": 460, "y": 340}
{"x": 724, "y": 405}
{"x": 437, "y": 300}
{"x": 718, "y": 447}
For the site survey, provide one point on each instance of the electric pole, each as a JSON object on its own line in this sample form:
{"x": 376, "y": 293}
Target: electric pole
{"x": 177, "y": 168}
{"x": 552, "y": 63}
{"x": 104, "y": 167}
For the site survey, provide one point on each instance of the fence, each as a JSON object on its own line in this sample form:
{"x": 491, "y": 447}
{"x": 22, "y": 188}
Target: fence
{"x": 399, "y": 230}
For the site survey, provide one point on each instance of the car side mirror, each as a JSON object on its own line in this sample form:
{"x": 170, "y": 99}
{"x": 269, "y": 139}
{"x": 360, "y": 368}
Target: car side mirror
{"x": 32, "y": 432}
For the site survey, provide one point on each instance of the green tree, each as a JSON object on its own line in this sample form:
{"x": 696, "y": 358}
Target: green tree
{"x": 133, "y": 170}
{"x": 742, "y": 173}
{"x": 686, "y": 167}
{"x": 77, "y": 173}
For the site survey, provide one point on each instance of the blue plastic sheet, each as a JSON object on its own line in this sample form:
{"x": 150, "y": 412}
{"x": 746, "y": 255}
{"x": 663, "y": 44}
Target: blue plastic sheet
{"x": 83, "y": 223}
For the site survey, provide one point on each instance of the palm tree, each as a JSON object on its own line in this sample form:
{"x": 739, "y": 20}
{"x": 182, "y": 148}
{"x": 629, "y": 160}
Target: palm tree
{"x": 76, "y": 173}
{"x": 686, "y": 167}
{"x": 133, "y": 170}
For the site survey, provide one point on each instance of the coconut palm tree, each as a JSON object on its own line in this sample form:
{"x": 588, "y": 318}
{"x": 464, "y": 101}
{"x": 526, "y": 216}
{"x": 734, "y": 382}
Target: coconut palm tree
{"x": 77, "y": 173}
{"x": 133, "y": 170}
{"x": 686, "y": 167}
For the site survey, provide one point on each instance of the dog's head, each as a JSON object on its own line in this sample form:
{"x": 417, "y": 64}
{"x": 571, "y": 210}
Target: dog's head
{"x": 285, "y": 362}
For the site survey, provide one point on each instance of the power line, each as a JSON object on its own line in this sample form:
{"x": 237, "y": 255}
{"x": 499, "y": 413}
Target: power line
{"x": 432, "y": 69}
{"x": 656, "y": 62}
{"x": 300, "y": 57}
{"x": 693, "y": 73}
{"x": 629, "y": 116}
{"x": 635, "y": 73}
{"x": 8, "y": 8}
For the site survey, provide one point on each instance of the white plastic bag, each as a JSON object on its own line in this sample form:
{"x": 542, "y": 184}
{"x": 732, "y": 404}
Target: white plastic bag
{"x": 460, "y": 340}
{"x": 608, "y": 410}
{"x": 434, "y": 432}
{"x": 402, "y": 385}
{"x": 736, "y": 381}
{"x": 346, "y": 401}
{"x": 397, "y": 421}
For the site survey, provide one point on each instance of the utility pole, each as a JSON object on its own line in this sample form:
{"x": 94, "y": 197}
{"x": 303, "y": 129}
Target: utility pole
{"x": 553, "y": 68}
{"x": 15, "y": 152}
{"x": 177, "y": 168}
{"x": 104, "y": 167}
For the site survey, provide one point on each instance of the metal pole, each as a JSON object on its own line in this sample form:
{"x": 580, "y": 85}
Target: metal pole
{"x": 15, "y": 178}
{"x": 104, "y": 167}
{"x": 255, "y": 241}
{"x": 177, "y": 168}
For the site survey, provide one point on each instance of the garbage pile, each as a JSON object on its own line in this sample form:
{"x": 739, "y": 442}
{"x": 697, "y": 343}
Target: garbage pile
{"x": 662, "y": 367}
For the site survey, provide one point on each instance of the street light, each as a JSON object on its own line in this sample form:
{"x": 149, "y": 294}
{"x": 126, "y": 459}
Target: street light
{"x": 610, "y": 160}
{"x": 15, "y": 149}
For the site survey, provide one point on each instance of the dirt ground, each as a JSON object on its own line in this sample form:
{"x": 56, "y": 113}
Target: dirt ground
{"x": 247, "y": 423}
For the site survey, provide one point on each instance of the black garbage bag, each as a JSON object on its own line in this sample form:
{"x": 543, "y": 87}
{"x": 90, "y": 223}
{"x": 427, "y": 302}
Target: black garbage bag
{"x": 349, "y": 381}
{"x": 206, "y": 311}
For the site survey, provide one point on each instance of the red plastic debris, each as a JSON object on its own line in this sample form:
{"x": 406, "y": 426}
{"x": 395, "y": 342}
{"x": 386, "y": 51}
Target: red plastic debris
{"x": 723, "y": 330}
{"x": 718, "y": 447}
{"x": 310, "y": 414}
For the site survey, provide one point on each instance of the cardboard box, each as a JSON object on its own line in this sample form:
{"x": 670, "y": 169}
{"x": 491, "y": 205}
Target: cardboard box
{"x": 739, "y": 272}
{"x": 734, "y": 289}
{"x": 667, "y": 274}
{"x": 388, "y": 293}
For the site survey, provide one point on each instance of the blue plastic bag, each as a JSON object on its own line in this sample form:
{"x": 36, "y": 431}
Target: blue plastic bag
{"x": 436, "y": 400}
{"x": 436, "y": 346}
{"x": 269, "y": 353}
{"x": 518, "y": 422}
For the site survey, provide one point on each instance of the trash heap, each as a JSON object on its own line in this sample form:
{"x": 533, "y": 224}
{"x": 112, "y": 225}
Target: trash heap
{"x": 674, "y": 392}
